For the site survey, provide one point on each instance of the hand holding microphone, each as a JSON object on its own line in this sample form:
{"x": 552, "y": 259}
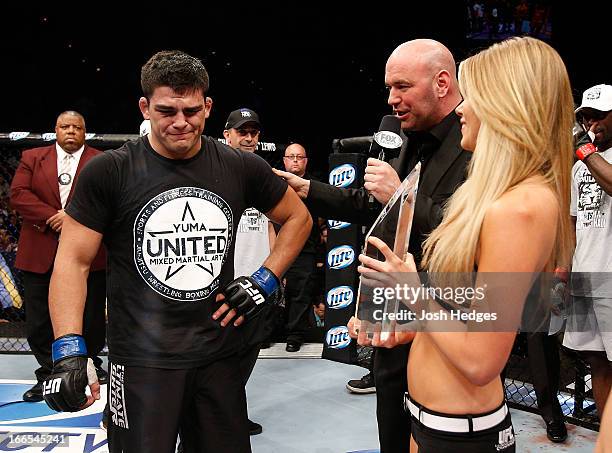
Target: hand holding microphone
{"x": 381, "y": 180}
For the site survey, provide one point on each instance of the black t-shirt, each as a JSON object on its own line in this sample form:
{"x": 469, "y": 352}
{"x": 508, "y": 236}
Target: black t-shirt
{"x": 169, "y": 228}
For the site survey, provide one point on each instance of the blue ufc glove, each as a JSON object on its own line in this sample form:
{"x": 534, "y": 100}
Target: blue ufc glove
{"x": 64, "y": 389}
{"x": 247, "y": 295}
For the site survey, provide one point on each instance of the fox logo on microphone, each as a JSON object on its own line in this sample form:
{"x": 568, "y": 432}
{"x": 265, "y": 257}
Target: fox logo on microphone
{"x": 338, "y": 337}
{"x": 340, "y": 297}
{"x": 337, "y": 224}
{"x": 343, "y": 175}
{"x": 388, "y": 139}
{"x": 340, "y": 257}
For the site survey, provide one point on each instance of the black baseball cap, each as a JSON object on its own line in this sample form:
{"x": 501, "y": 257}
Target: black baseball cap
{"x": 240, "y": 117}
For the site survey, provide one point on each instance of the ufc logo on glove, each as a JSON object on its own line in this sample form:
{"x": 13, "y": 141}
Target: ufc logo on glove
{"x": 253, "y": 292}
{"x": 51, "y": 386}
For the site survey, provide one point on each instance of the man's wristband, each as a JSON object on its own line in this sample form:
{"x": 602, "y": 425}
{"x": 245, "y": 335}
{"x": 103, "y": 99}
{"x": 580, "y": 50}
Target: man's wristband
{"x": 585, "y": 151}
{"x": 266, "y": 279}
{"x": 71, "y": 345}
{"x": 562, "y": 273}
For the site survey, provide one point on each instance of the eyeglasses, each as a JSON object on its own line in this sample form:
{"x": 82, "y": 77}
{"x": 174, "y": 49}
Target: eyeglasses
{"x": 295, "y": 157}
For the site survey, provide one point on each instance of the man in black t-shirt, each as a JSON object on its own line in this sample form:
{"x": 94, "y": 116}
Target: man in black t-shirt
{"x": 254, "y": 239}
{"x": 167, "y": 208}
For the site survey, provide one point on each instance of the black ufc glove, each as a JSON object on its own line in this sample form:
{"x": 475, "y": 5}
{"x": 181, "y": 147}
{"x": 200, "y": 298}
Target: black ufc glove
{"x": 247, "y": 295}
{"x": 583, "y": 142}
{"x": 64, "y": 389}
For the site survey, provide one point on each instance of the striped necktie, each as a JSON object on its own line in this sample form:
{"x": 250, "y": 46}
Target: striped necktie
{"x": 65, "y": 178}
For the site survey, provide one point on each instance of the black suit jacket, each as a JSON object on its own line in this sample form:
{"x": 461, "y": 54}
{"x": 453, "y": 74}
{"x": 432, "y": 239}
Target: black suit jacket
{"x": 444, "y": 172}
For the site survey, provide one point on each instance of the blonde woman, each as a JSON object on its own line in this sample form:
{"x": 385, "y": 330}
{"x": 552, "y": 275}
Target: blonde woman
{"x": 509, "y": 216}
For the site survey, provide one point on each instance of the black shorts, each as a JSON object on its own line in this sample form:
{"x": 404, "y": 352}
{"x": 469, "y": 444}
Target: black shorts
{"x": 148, "y": 407}
{"x": 499, "y": 438}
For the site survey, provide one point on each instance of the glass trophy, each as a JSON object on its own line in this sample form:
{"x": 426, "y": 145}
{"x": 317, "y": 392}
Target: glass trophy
{"x": 393, "y": 227}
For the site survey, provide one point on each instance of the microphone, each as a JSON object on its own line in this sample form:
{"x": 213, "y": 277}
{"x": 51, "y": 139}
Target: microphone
{"x": 386, "y": 145}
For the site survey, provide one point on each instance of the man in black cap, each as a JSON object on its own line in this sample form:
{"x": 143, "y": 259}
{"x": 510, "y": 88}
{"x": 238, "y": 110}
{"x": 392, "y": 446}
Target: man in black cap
{"x": 254, "y": 240}
{"x": 242, "y": 130}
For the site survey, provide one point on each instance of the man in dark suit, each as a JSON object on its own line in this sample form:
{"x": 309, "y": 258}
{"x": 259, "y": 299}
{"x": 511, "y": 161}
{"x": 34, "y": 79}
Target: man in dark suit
{"x": 40, "y": 190}
{"x": 299, "y": 295}
{"x": 423, "y": 91}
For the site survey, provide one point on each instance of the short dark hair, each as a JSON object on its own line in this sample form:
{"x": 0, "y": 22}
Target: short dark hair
{"x": 174, "y": 69}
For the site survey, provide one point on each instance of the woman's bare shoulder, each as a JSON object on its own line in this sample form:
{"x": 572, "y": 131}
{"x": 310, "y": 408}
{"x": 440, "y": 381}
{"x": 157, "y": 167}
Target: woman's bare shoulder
{"x": 519, "y": 230}
{"x": 525, "y": 203}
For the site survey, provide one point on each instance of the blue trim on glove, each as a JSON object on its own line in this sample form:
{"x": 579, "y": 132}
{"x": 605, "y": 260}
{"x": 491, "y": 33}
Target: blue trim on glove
{"x": 266, "y": 279}
{"x": 71, "y": 345}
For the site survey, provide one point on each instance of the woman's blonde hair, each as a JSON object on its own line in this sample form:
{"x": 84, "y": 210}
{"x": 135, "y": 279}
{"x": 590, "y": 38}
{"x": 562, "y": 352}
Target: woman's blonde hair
{"x": 520, "y": 91}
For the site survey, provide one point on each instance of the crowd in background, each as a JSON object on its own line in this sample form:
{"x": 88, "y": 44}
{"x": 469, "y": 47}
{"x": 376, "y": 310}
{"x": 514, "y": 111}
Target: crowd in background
{"x": 499, "y": 19}
{"x": 10, "y": 223}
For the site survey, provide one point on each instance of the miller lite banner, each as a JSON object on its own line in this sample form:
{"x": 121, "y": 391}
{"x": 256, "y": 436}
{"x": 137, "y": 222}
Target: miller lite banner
{"x": 343, "y": 175}
{"x": 343, "y": 247}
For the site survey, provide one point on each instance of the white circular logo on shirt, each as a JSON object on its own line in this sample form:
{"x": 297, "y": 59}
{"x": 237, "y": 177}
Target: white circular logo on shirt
{"x": 181, "y": 240}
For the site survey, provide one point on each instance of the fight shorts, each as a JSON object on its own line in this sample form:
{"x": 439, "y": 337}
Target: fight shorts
{"x": 435, "y": 432}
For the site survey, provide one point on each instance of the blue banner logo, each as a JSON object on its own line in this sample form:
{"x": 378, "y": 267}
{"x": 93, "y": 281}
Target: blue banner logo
{"x": 340, "y": 257}
{"x": 340, "y": 297}
{"x": 343, "y": 175}
{"x": 337, "y": 224}
{"x": 338, "y": 337}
